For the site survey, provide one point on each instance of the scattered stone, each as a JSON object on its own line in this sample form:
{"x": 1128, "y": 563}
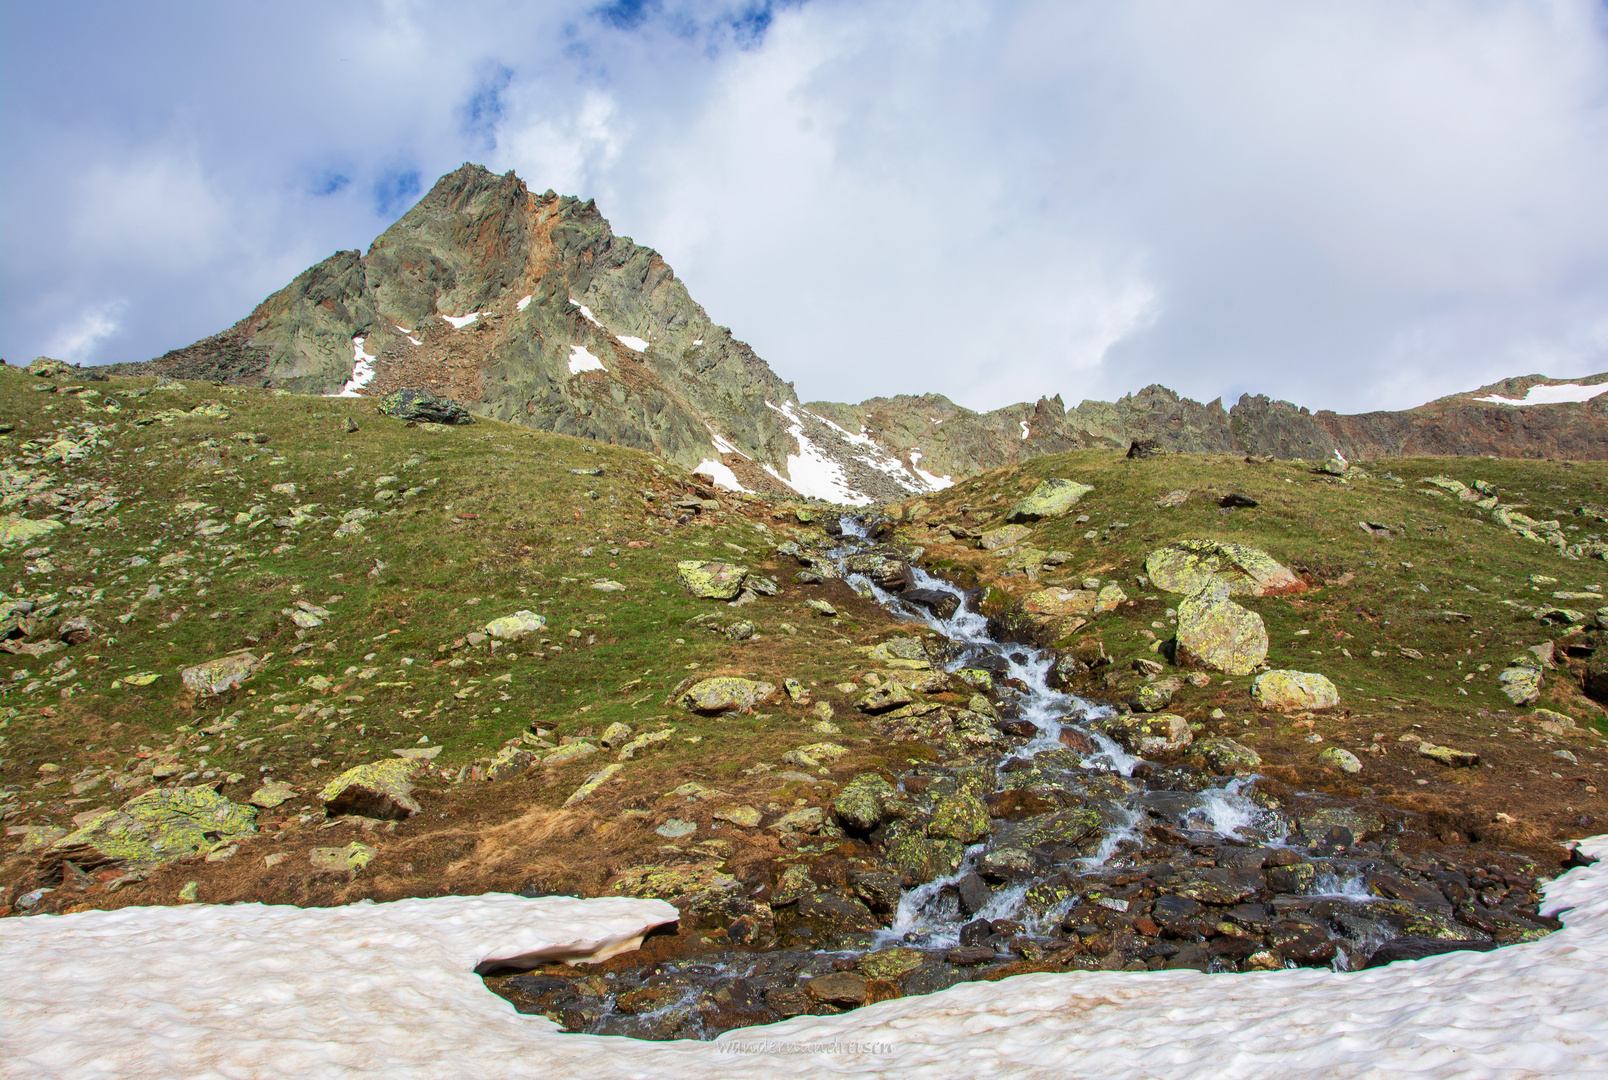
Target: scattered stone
{"x": 271, "y": 794}
{"x": 1344, "y": 760}
{"x": 1226, "y": 757}
{"x": 1555, "y": 723}
{"x": 807, "y": 819}
{"x": 379, "y": 789}
{"x": 341, "y": 860}
{"x": 821, "y": 607}
{"x": 77, "y": 630}
{"x": 515, "y": 626}
{"x": 221, "y": 675}
{"x": 941, "y": 603}
{"x": 970, "y": 955}
{"x": 1455, "y": 759}
{"x": 725, "y": 693}
{"x": 1051, "y": 499}
{"x": 569, "y": 752}
{"x": 711, "y": 580}
{"x": 421, "y": 406}
{"x": 1172, "y": 500}
{"x": 744, "y": 816}
{"x": 960, "y": 817}
{"x": 890, "y": 695}
{"x": 1294, "y": 691}
{"x": 1215, "y": 632}
{"x": 1156, "y": 696}
{"x": 593, "y": 782}
{"x": 21, "y": 530}
{"x": 615, "y": 734}
{"x": 838, "y": 988}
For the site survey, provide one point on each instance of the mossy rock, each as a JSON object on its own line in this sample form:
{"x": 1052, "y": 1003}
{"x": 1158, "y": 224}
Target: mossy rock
{"x": 725, "y": 693}
{"x": 1294, "y": 691}
{"x": 1225, "y": 756}
{"x": 379, "y": 789}
{"x": 920, "y": 860}
{"x": 158, "y": 827}
{"x": 960, "y": 817}
{"x": 1051, "y": 499}
{"x": 711, "y": 580}
{"x": 861, "y": 804}
{"x": 1191, "y": 566}
{"x": 1215, "y": 632}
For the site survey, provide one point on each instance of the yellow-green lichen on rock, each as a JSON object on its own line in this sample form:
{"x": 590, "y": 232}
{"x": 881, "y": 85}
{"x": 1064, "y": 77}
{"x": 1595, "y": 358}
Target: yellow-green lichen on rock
{"x": 349, "y": 859}
{"x": 1192, "y": 566}
{"x": 515, "y": 626}
{"x": 220, "y": 675}
{"x": 380, "y": 789}
{"x": 1004, "y": 536}
{"x": 711, "y": 580}
{"x": 158, "y": 827}
{"x": 725, "y": 693}
{"x": 593, "y": 782}
{"x": 21, "y": 530}
{"x": 672, "y": 882}
{"x": 1052, "y": 498}
{"x": 1289, "y": 691}
{"x": 1215, "y": 632}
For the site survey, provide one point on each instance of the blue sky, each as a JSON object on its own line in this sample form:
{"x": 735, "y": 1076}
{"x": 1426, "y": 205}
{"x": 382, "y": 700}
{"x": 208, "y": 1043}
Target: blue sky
{"x": 1353, "y": 205}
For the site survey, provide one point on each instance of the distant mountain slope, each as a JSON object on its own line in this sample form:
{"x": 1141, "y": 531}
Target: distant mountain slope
{"x": 528, "y": 308}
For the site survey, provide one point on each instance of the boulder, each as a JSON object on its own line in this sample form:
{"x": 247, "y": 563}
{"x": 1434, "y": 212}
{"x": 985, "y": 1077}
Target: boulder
{"x": 1156, "y": 733}
{"x": 711, "y": 580}
{"x": 861, "y": 805}
{"x": 380, "y": 789}
{"x": 843, "y": 988}
{"x": 1191, "y": 566}
{"x": 423, "y": 407}
{"x": 908, "y": 649}
{"x": 890, "y": 695}
{"x": 221, "y": 675}
{"x": 1452, "y": 759}
{"x": 515, "y": 626}
{"x": 1051, "y": 499}
{"x": 1225, "y": 756}
{"x": 960, "y": 817}
{"x": 920, "y": 860}
{"x": 1155, "y": 696}
{"x": 1337, "y": 758}
{"x": 1522, "y": 685}
{"x": 21, "y": 530}
{"x": 1215, "y": 632}
{"x": 1294, "y": 691}
{"x": 77, "y": 630}
{"x": 1004, "y": 536}
{"x": 155, "y": 828}
{"x": 725, "y": 693}
{"x": 271, "y": 794}
{"x": 940, "y": 603}
{"x": 45, "y": 367}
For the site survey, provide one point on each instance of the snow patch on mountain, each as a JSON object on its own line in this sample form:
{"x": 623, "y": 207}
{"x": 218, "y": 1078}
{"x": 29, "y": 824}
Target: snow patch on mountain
{"x": 580, "y": 359}
{"x": 635, "y": 344}
{"x": 720, "y": 473}
{"x": 460, "y": 321}
{"x": 586, "y": 313}
{"x": 362, "y": 371}
{"x": 1559, "y": 394}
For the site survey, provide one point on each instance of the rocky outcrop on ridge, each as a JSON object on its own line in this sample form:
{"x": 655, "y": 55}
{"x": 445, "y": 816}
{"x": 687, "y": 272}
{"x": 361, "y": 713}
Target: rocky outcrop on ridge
{"x": 526, "y": 307}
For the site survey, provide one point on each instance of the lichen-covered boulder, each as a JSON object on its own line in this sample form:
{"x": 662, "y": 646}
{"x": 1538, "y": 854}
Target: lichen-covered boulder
{"x": 861, "y": 805}
{"x": 1155, "y": 696}
{"x": 221, "y": 675}
{"x": 157, "y": 827}
{"x": 1215, "y": 632}
{"x": 673, "y": 883}
{"x": 21, "y": 530}
{"x": 515, "y": 626}
{"x": 1154, "y": 733}
{"x": 725, "y": 693}
{"x": 961, "y": 816}
{"x": 1294, "y": 691}
{"x": 1522, "y": 685}
{"x": 1051, "y": 499}
{"x": 920, "y": 860}
{"x": 907, "y": 649}
{"x": 1004, "y": 536}
{"x": 424, "y": 407}
{"x": 711, "y": 580}
{"x": 1339, "y": 758}
{"x": 1225, "y": 756}
{"x": 890, "y": 695}
{"x": 1191, "y": 566}
{"x": 380, "y": 789}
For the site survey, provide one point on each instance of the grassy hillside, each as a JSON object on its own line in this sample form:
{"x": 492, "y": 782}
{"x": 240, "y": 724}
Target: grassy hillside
{"x": 195, "y": 520}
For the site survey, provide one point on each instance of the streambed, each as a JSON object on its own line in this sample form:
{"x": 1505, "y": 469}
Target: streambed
{"x": 1038, "y": 843}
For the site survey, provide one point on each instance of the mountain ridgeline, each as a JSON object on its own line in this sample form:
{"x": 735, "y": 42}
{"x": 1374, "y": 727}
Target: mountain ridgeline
{"x": 526, "y": 307}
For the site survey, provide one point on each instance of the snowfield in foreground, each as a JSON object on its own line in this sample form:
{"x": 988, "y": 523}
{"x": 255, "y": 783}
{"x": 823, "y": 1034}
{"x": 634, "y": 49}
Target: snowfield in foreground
{"x": 254, "y": 991}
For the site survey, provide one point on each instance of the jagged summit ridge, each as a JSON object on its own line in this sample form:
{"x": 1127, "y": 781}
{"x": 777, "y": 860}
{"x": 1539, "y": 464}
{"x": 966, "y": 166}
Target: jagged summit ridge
{"x": 528, "y": 308}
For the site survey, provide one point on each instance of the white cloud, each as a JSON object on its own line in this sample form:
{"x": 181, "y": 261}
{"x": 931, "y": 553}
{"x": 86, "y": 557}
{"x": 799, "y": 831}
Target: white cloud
{"x": 77, "y": 341}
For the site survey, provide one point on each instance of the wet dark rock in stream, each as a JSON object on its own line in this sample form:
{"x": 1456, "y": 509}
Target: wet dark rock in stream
{"x": 1035, "y": 842}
